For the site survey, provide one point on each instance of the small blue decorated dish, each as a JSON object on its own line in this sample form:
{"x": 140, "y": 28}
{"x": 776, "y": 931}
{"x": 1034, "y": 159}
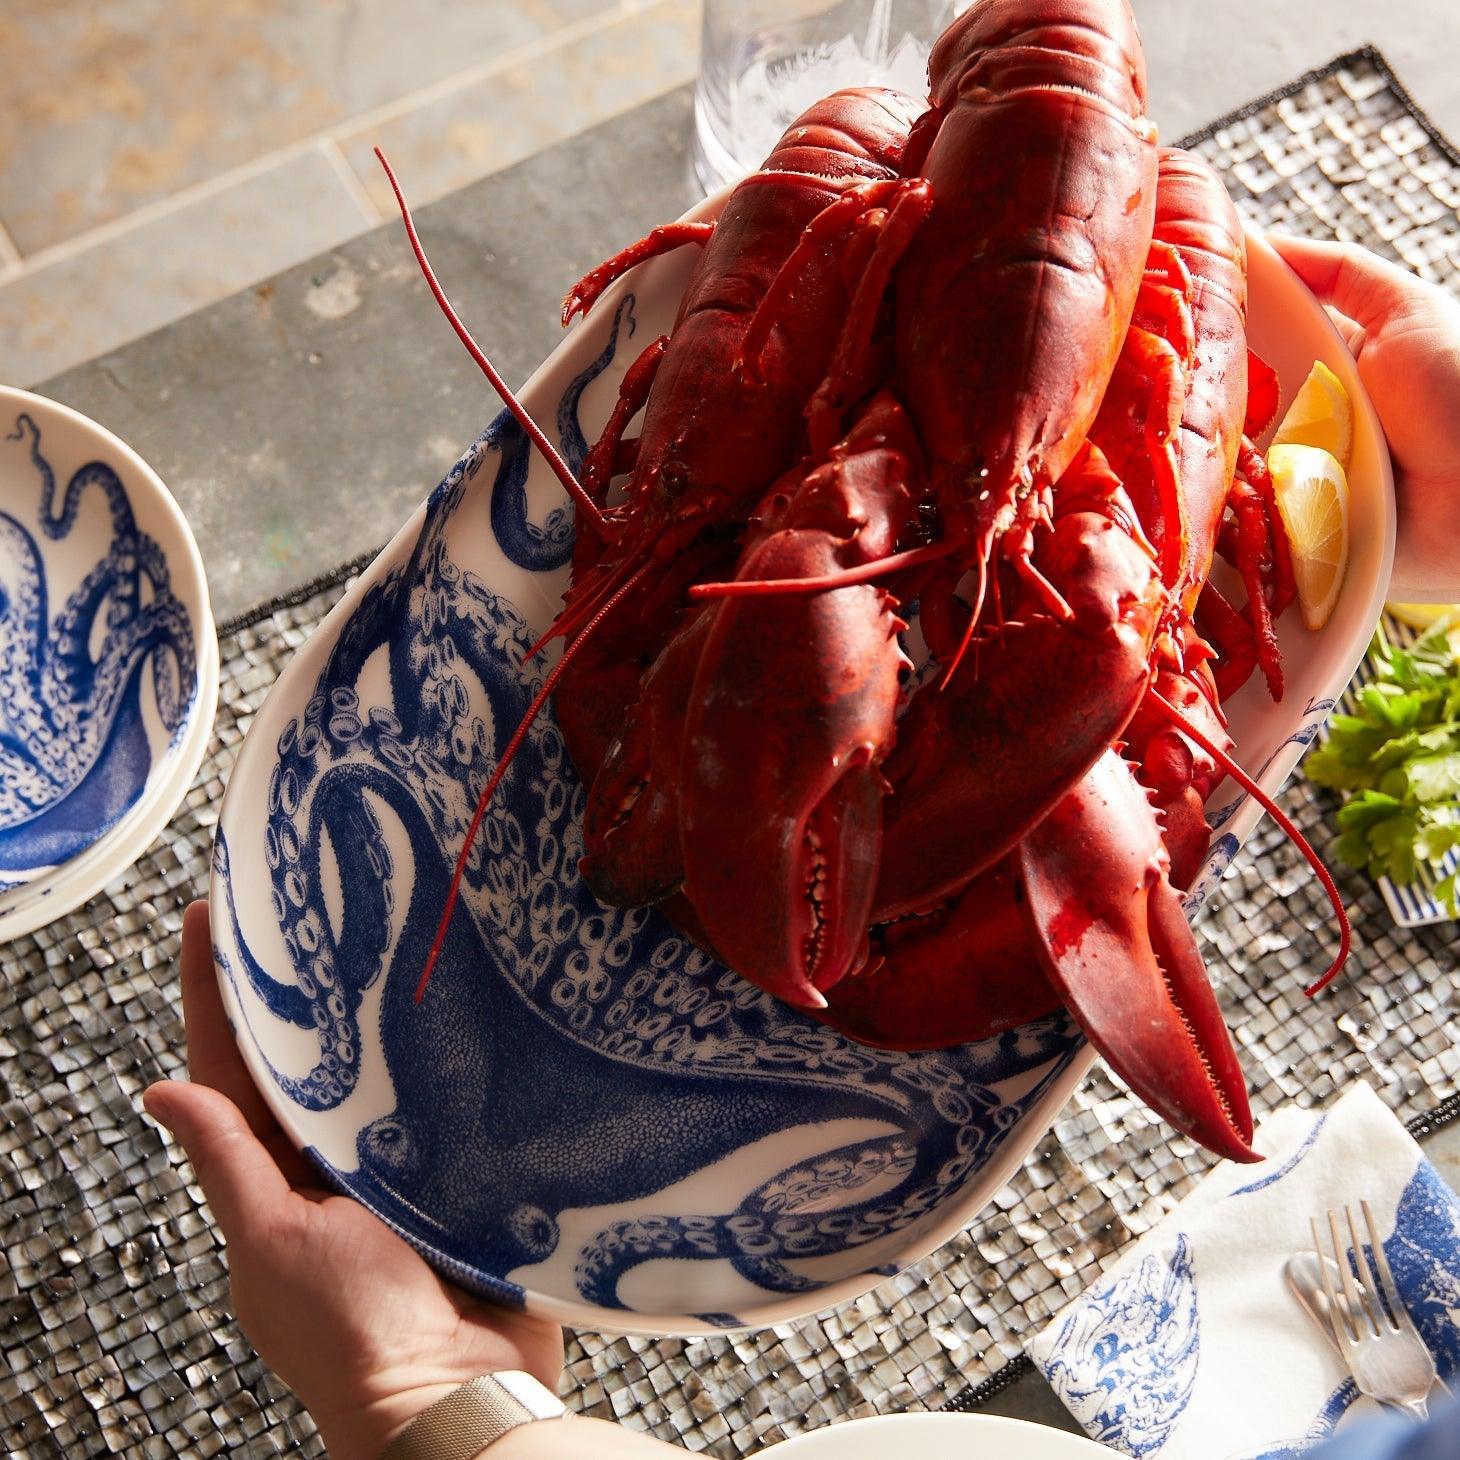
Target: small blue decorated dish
{"x": 585, "y": 1115}
{"x": 108, "y": 660}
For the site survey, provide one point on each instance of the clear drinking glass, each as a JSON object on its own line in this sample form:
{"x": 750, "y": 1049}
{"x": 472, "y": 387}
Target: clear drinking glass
{"x": 763, "y": 62}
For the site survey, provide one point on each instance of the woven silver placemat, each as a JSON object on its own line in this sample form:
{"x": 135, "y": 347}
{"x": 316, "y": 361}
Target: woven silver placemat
{"x": 113, "y": 1296}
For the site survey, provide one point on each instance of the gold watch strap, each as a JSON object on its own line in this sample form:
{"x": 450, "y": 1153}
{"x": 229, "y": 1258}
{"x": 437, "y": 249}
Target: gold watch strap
{"x": 466, "y": 1421}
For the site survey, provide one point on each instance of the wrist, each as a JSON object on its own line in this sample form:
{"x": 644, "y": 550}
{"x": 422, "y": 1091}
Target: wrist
{"x": 363, "y": 1432}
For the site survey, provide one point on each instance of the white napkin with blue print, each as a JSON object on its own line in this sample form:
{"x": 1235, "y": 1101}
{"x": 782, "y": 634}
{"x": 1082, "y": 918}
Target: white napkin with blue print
{"x": 1191, "y": 1347}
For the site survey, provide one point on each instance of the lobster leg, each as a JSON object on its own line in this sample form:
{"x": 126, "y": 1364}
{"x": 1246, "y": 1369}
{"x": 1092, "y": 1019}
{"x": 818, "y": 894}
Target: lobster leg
{"x": 824, "y": 231}
{"x": 1253, "y": 467}
{"x": 1163, "y": 303}
{"x": 1114, "y": 941}
{"x": 1165, "y": 265}
{"x": 1230, "y": 636}
{"x": 664, "y": 239}
{"x": 847, "y": 376}
{"x": 1178, "y": 774}
{"x": 601, "y": 462}
{"x": 1157, "y": 361}
{"x": 1255, "y": 559}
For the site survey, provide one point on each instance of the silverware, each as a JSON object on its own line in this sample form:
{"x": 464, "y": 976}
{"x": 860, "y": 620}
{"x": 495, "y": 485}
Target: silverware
{"x": 1372, "y": 1333}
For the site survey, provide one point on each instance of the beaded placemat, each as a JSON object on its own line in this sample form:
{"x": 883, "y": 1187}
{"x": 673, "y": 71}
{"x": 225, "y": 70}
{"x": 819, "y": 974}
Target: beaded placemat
{"x": 114, "y": 1326}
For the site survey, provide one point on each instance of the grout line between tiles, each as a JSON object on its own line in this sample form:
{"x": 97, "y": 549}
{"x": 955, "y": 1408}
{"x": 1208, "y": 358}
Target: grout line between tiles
{"x": 553, "y": 40}
{"x": 161, "y": 207}
{"x": 10, "y": 255}
{"x": 208, "y": 187}
{"x": 351, "y": 180}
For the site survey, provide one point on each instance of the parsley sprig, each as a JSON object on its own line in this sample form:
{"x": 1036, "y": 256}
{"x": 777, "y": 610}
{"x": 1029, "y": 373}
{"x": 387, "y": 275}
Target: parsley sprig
{"x": 1398, "y": 761}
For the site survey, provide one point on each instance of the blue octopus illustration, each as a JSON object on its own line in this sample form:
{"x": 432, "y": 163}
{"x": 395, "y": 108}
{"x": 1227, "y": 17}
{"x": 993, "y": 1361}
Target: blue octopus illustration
{"x": 74, "y": 751}
{"x": 565, "y": 1055}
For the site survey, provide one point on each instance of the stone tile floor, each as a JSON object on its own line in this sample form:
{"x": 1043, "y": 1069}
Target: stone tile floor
{"x": 156, "y": 155}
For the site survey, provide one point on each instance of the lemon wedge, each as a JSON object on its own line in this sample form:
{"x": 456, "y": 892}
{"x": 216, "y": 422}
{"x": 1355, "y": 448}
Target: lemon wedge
{"x": 1312, "y": 497}
{"x": 1321, "y": 415}
{"x": 1422, "y": 615}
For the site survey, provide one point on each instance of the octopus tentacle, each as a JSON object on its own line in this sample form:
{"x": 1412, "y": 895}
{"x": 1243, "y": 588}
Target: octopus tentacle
{"x": 60, "y": 703}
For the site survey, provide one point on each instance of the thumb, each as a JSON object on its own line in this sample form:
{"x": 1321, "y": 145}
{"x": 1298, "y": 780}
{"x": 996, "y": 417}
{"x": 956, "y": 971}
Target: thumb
{"x": 1368, "y": 289}
{"x": 241, "y": 1180}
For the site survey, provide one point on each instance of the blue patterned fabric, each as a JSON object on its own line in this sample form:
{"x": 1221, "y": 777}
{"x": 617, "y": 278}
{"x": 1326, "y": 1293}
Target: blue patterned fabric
{"x": 1152, "y": 1359}
{"x": 1390, "y": 1437}
{"x": 1125, "y": 1360}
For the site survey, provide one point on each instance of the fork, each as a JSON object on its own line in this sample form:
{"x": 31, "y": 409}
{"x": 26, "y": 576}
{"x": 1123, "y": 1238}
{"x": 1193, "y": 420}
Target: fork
{"x": 1377, "y": 1339}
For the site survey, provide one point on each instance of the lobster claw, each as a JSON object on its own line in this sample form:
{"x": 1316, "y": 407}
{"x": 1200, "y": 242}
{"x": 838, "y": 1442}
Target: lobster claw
{"x": 631, "y": 820}
{"x": 1114, "y": 941}
{"x": 790, "y": 716}
{"x": 963, "y": 972}
{"x": 981, "y": 760}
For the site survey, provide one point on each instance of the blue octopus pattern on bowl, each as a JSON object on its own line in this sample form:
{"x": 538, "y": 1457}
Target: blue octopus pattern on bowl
{"x": 663, "y": 1065}
{"x": 77, "y": 745}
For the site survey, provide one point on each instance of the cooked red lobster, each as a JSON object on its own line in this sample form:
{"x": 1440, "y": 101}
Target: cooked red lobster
{"x": 985, "y": 356}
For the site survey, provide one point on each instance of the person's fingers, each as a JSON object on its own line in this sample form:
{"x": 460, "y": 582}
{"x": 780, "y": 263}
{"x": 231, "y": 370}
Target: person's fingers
{"x": 1360, "y": 284}
{"x": 242, "y": 1181}
{"x": 1353, "y": 334}
{"x": 213, "y": 1057}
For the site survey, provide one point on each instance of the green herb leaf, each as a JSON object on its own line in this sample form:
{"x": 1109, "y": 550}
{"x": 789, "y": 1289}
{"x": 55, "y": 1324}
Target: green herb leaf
{"x": 1397, "y": 760}
{"x": 1447, "y": 893}
{"x": 1428, "y": 778}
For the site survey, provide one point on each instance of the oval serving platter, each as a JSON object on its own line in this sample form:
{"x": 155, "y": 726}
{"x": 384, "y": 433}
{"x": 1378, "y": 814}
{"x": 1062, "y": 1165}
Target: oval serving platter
{"x": 585, "y": 1115}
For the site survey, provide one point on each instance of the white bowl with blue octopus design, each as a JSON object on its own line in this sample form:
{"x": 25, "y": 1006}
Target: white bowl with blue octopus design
{"x": 585, "y": 1116}
{"x": 108, "y": 662}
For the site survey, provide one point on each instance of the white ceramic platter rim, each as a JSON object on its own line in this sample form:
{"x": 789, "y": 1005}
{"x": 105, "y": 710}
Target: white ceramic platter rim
{"x": 41, "y": 903}
{"x": 948, "y": 1436}
{"x": 1037, "y": 1117}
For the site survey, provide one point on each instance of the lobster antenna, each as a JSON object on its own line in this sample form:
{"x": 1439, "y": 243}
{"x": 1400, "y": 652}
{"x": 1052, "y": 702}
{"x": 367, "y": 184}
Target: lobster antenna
{"x": 485, "y": 799}
{"x": 550, "y": 453}
{"x": 578, "y": 612}
{"x": 842, "y": 578}
{"x": 1345, "y": 931}
{"x": 967, "y": 639}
